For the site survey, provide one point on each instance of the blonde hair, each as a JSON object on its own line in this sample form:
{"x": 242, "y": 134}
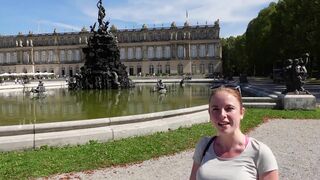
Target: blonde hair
{"x": 233, "y": 91}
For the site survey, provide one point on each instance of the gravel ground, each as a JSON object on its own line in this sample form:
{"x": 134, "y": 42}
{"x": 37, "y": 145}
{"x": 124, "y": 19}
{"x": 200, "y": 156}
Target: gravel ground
{"x": 295, "y": 144}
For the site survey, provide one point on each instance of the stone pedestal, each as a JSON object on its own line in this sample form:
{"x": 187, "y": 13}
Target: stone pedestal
{"x": 307, "y": 102}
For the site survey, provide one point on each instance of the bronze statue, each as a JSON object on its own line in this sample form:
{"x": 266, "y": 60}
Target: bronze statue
{"x": 101, "y": 13}
{"x": 102, "y": 68}
{"x": 295, "y": 74}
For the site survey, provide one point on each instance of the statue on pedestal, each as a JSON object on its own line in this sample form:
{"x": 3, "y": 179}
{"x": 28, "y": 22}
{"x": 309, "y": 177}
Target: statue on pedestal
{"x": 295, "y": 74}
{"x": 102, "y": 68}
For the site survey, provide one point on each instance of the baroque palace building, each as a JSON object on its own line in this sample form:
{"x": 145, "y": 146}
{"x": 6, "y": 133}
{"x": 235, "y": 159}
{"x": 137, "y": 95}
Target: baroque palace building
{"x": 174, "y": 50}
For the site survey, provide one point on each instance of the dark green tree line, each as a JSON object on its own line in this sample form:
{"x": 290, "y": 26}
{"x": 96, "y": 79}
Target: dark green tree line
{"x": 282, "y": 30}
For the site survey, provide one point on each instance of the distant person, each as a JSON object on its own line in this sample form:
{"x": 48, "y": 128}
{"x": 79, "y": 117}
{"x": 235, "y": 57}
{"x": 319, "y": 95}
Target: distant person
{"x": 40, "y": 87}
{"x": 231, "y": 154}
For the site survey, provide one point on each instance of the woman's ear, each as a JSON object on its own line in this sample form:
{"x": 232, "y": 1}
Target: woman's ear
{"x": 242, "y": 112}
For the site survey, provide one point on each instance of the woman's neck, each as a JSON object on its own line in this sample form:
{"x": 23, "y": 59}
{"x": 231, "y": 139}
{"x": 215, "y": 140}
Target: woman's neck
{"x": 230, "y": 144}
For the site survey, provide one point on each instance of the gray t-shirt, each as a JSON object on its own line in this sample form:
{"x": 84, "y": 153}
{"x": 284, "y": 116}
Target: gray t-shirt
{"x": 256, "y": 159}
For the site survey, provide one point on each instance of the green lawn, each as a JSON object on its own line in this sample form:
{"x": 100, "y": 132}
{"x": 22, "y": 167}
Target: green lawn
{"x": 49, "y": 160}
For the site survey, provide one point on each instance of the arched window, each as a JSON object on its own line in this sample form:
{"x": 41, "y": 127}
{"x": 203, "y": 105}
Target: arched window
{"x": 167, "y": 52}
{"x": 180, "y": 35}
{"x": 211, "y": 68}
{"x": 159, "y": 52}
{"x": 180, "y": 51}
{"x": 8, "y": 57}
{"x": 69, "y": 55}
{"x": 43, "y": 56}
{"x": 62, "y": 56}
{"x": 202, "y": 52}
{"x": 36, "y": 56}
{"x": 122, "y": 53}
{"x": 130, "y": 53}
{"x": 194, "y": 69}
{"x": 168, "y": 69}
{"x": 50, "y": 57}
{"x": 194, "y": 52}
{"x": 150, "y": 53}
{"x": 139, "y": 69}
{"x": 151, "y": 69}
{"x": 159, "y": 69}
{"x": 14, "y": 57}
{"x": 211, "y": 50}
{"x": 1, "y": 58}
{"x": 138, "y": 53}
{"x": 180, "y": 69}
{"x": 77, "y": 55}
{"x": 202, "y": 70}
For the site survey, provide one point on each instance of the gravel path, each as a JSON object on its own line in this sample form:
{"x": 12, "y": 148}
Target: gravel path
{"x": 295, "y": 144}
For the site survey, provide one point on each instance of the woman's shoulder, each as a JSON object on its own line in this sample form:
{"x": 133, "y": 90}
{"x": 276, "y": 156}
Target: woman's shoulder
{"x": 263, "y": 156}
{"x": 200, "y": 147}
{"x": 205, "y": 139}
{"x": 257, "y": 145}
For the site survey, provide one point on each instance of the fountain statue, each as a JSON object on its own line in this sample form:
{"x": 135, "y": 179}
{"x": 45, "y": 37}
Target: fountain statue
{"x": 295, "y": 74}
{"x": 102, "y": 68}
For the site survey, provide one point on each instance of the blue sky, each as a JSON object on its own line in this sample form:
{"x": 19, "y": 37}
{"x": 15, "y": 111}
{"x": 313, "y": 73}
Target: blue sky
{"x": 43, "y": 16}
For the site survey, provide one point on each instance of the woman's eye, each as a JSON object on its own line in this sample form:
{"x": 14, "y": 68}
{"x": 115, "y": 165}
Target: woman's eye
{"x": 214, "y": 109}
{"x": 229, "y": 108}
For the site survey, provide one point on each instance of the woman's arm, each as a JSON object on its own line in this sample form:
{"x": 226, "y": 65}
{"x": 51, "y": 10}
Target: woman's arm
{"x": 194, "y": 170}
{"x": 270, "y": 175}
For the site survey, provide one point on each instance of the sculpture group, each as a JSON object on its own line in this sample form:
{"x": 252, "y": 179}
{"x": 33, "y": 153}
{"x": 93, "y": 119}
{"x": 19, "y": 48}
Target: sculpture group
{"x": 295, "y": 74}
{"x": 102, "y": 68}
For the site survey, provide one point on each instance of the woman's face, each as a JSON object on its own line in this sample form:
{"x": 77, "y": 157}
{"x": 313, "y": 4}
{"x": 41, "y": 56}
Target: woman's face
{"x": 225, "y": 112}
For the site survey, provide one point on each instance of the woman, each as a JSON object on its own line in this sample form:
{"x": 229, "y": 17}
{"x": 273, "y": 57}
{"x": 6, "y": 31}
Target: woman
{"x": 231, "y": 154}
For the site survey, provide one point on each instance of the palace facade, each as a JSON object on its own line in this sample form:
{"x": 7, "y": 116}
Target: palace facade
{"x": 170, "y": 50}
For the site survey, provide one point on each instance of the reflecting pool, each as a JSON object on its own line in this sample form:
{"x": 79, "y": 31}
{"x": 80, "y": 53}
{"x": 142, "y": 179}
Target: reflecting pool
{"x": 62, "y": 105}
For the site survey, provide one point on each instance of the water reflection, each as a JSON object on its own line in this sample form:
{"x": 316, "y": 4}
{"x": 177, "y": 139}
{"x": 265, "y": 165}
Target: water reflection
{"x": 63, "y": 105}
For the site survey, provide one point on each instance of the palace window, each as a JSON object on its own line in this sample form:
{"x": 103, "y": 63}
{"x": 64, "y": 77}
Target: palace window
{"x": 159, "y": 69}
{"x": 62, "y": 56}
{"x": 14, "y": 57}
{"x": 69, "y": 55}
{"x": 122, "y": 53}
{"x": 168, "y": 69}
{"x": 139, "y": 69}
{"x": 130, "y": 53}
{"x": 8, "y": 57}
{"x": 180, "y": 52}
{"x": 180, "y": 69}
{"x": 151, "y": 69}
{"x": 77, "y": 55}
{"x": 202, "y": 52}
{"x": 211, "y": 68}
{"x": 138, "y": 53}
{"x": 1, "y": 58}
{"x": 50, "y": 57}
{"x": 159, "y": 52}
{"x": 131, "y": 70}
{"x": 211, "y": 50}
{"x": 202, "y": 70}
{"x": 150, "y": 53}
{"x": 167, "y": 52}
{"x": 43, "y": 56}
{"x": 36, "y": 56}
{"x": 194, "y": 69}
{"x": 194, "y": 53}
{"x": 25, "y": 57}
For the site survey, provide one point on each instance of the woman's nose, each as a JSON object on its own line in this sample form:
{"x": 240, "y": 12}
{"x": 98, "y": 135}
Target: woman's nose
{"x": 222, "y": 113}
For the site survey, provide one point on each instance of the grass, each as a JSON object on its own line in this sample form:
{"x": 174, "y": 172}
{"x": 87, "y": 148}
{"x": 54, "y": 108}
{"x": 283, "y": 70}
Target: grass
{"x": 46, "y": 161}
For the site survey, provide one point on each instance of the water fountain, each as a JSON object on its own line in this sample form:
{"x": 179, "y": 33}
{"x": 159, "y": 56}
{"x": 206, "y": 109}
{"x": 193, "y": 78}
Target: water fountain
{"x": 102, "y": 68}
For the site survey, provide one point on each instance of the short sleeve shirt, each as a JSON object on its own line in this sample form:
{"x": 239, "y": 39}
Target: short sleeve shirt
{"x": 256, "y": 159}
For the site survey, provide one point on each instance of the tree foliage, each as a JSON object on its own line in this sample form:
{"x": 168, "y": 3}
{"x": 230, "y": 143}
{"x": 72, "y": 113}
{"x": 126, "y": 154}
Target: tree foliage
{"x": 282, "y": 30}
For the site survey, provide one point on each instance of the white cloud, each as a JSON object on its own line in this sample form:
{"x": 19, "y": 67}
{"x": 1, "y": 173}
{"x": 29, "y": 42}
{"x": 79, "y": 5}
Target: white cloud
{"x": 58, "y": 25}
{"x": 167, "y": 11}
